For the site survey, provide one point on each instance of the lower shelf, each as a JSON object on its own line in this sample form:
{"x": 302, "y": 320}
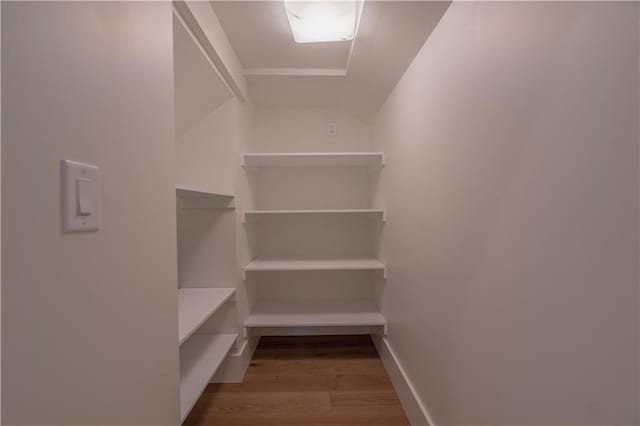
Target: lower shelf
{"x": 314, "y": 313}
{"x": 200, "y": 357}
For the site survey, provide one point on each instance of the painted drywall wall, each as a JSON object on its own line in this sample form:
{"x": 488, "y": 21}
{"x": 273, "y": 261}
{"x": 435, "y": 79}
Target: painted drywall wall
{"x": 205, "y": 153}
{"x": 89, "y": 320}
{"x": 307, "y": 130}
{"x": 203, "y": 114}
{"x": 512, "y": 197}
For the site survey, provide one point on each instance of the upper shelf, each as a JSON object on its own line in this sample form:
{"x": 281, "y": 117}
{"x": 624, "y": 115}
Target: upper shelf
{"x": 196, "y": 305}
{"x": 258, "y": 213}
{"x": 313, "y": 159}
{"x": 197, "y": 198}
{"x": 185, "y": 191}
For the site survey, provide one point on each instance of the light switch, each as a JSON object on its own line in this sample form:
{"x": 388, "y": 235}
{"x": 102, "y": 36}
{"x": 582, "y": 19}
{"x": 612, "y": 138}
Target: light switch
{"x": 80, "y": 196}
{"x": 83, "y": 196}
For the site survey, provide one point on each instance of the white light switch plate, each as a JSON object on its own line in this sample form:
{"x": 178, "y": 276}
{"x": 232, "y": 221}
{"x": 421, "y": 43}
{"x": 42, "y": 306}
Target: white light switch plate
{"x": 80, "y": 197}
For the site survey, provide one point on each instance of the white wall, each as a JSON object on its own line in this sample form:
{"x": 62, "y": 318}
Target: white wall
{"x": 512, "y": 233}
{"x": 203, "y": 116}
{"x": 205, "y": 153}
{"x": 89, "y": 319}
{"x": 306, "y": 130}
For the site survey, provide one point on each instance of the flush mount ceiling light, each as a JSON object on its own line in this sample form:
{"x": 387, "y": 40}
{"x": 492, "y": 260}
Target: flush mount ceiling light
{"x": 321, "y": 21}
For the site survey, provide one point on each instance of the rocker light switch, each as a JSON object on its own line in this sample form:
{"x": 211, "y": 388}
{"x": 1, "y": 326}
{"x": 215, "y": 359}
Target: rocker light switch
{"x": 80, "y": 196}
{"x": 83, "y": 195}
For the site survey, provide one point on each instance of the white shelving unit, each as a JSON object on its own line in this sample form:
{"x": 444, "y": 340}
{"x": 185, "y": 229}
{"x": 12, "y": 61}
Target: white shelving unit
{"x": 314, "y": 159}
{"x": 315, "y": 313}
{"x": 259, "y": 213}
{"x": 338, "y": 264}
{"x": 196, "y": 305}
{"x": 205, "y": 219}
{"x": 200, "y": 357}
{"x": 317, "y": 236}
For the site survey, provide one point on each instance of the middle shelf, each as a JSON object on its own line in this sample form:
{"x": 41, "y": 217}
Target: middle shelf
{"x": 262, "y": 264}
{"x": 196, "y": 305}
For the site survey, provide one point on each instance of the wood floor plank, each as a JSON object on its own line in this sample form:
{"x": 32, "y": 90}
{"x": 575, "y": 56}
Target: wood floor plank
{"x": 283, "y": 383}
{"x": 296, "y": 381}
{"x": 314, "y": 366}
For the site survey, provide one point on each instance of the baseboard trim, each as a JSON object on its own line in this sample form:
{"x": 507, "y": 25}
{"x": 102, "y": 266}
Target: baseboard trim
{"x": 235, "y": 366}
{"x": 414, "y": 408}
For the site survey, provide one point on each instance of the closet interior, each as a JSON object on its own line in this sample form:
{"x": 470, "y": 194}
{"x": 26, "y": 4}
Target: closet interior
{"x": 276, "y": 236}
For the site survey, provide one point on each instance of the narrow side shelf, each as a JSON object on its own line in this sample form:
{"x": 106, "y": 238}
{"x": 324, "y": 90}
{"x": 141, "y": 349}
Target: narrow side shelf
{"x": 348, "y": 264}
{"x": 196, "y": 305}
{"x": 315, "y": 313}
{"x": 196, "y": 198}
{"x": 200, "y": 357}
{"x": 313, "y": 159}
{"x": 185, "y": 191}
{"x": 258, "y": 213}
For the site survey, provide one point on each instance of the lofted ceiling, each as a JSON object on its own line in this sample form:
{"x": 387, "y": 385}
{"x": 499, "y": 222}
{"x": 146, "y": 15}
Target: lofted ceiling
{"x": 353, "y": 75}
{"x": 260, "y": 35}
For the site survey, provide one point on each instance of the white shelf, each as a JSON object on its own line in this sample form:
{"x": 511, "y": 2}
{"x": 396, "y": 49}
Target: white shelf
{"x": 314, "y": 313}
{"x": 313, "y": 159}
{"x": 349, "y": 264}
{"x": 185, "y": 191}
{"x": 196, "y": 305}
{"x": 200, "y": 357}
{"x": 190, "y": 197}
{"x": 258, "y": 213}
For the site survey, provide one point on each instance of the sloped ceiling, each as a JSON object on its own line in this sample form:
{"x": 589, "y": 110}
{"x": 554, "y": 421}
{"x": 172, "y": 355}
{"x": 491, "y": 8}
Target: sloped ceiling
{"x": 356, "y": 76}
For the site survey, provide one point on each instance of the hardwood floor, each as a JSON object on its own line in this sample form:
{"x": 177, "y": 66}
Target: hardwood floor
{"x": 310, "y": 381}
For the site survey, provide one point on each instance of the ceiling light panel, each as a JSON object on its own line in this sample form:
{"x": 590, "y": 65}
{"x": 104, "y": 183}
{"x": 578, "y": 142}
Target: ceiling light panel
{"x": 321, "y": 21}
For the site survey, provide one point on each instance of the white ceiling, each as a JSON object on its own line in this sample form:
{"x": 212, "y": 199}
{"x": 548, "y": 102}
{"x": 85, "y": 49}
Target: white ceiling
{"x": 358, "y": 78}
{"x": 261, "y": 37}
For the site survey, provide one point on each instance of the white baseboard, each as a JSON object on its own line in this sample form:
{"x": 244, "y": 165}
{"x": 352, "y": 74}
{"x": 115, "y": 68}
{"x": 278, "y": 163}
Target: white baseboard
{"x": 235, "y": 366}
{"x": 414, "y": 408}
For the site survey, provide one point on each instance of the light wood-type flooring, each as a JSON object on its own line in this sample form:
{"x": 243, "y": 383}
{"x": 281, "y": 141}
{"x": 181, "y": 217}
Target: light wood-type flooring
{"x": 310, "y": 381}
